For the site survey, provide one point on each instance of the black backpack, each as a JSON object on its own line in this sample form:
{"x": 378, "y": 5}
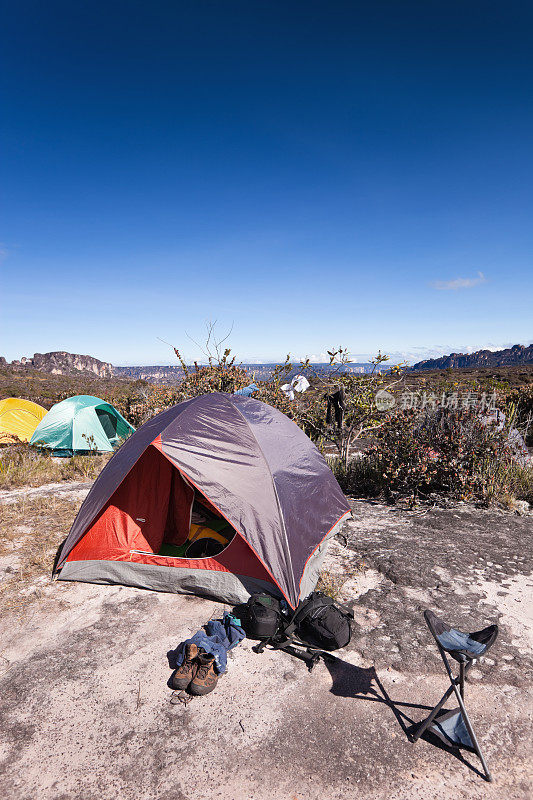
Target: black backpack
{"x": 319, "y": 622}
{"x": 262, "y": 617}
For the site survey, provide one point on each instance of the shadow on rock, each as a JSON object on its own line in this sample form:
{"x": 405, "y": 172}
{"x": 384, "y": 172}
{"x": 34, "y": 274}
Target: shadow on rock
{"x": 364, "y": 684}
{"x": 349, "y": 680}
{"x": 171, "y": 657}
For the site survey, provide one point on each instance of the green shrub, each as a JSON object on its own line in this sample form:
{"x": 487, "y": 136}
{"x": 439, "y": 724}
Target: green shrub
{"x": 446, "y": 452}
{"x": 520, "y": 402}
{"x": 359, "y": 478}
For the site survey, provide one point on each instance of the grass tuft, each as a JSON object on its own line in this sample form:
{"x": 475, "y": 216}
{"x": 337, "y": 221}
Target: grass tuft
{"x": 331, "y": 584}
{"x": 21, "y": 465}
{"x": 30, "y": 533}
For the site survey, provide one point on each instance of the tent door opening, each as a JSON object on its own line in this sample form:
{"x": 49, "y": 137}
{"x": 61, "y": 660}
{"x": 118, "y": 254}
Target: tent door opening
{"x": 156, "y": 512}
{"x": 108, "y": 422}
{"x": 194, "y": 528}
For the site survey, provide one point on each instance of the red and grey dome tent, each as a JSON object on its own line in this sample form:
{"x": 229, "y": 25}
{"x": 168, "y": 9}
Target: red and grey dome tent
{"x": 247, "y": 461}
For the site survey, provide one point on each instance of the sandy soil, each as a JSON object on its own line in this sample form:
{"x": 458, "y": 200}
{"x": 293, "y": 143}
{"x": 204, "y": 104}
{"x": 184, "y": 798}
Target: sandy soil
{"x": 66, "y": 489}
{"x": 85, "y": 709}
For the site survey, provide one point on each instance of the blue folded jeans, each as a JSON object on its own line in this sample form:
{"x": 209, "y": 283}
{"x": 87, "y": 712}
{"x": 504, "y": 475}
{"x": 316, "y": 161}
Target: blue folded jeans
{"x": 216, "y": 638}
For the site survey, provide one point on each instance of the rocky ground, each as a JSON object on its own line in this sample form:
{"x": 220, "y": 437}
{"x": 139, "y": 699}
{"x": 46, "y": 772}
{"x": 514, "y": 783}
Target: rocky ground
{"x": 85, "y": 709}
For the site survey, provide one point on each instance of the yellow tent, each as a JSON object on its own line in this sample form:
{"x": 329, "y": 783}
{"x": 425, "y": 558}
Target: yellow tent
{"x": 19, "y": 418}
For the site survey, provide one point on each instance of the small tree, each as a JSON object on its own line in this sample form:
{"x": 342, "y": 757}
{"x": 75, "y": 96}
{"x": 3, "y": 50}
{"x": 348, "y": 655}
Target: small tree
{"x": 220, "y": 374}
{"x": 308, "y": 410}
{"x": 360, "y": 414}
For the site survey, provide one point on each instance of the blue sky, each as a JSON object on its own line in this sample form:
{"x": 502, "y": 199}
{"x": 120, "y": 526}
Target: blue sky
{"x": 311, "y": 173}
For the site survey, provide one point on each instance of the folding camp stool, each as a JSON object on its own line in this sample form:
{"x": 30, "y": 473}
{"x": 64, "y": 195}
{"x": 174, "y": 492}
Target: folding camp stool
{"x": 454, "y": 727}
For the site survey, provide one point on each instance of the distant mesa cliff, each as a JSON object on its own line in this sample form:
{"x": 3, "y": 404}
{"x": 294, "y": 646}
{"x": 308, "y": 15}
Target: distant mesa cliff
{"x": 62, "y": 363}
{"x": 156, "y": 374}
{"x": 517, "y": 354}
{"x": 259, "y": 372}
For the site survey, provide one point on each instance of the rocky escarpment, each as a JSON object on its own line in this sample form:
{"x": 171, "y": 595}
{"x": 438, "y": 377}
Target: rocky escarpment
{"x": 173, "y": 374}
{"x": 518, "y": 354}
{"x": 154, "y": 374}
{"x": 63, "y": 363}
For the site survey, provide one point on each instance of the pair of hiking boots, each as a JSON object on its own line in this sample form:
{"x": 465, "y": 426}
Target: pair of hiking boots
{"x": 197, "y": 673}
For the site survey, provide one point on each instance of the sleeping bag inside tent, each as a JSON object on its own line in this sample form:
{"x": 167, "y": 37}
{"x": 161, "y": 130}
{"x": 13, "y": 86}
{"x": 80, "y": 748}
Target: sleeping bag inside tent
{"x": 221, "y": 496}
{"x": 18, "y": 419}
{"x": 81, "y": 424}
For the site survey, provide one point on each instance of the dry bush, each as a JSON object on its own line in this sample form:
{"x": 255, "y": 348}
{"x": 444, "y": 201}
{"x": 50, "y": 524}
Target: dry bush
{"x": 21, "y": 465}
{"x": 84, "y": 466}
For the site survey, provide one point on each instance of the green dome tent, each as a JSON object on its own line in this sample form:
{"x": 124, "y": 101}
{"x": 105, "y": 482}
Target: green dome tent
{"x": 81, "y": 424}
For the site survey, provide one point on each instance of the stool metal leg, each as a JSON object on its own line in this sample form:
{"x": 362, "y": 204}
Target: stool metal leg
{"x": 424, "y": 725}
{"x": 428, "y": 721}
{"x": 466, "y": 719}
{"x": 458, "y": 687}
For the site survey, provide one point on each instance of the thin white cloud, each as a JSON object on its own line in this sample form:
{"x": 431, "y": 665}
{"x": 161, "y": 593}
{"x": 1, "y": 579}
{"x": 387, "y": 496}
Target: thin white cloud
{"x": 317, "y": 358}
{"x": 459, "y": 283}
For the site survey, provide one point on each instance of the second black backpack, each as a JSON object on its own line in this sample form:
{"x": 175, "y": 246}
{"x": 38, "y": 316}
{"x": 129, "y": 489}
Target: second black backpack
{"x": 319, "y": 622}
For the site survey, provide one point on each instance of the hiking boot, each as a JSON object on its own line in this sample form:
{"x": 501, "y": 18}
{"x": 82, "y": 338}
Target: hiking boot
{"x": 186, "y": 672}
{"x": 206, "y": 676}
